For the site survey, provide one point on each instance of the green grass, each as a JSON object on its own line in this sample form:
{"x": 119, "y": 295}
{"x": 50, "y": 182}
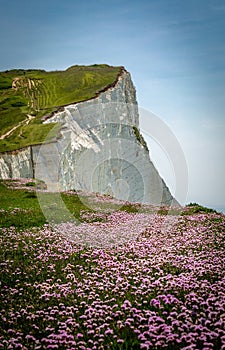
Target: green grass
{"x": 20, "y": 208}
{"x": 39, "y": 93}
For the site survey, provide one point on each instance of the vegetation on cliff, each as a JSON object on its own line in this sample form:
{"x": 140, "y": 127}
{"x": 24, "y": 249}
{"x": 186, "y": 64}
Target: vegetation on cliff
{"x": 28, "y": 95}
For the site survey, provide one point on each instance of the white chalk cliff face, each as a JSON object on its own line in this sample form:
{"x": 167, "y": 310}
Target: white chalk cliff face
{"x": 100, "y": 149}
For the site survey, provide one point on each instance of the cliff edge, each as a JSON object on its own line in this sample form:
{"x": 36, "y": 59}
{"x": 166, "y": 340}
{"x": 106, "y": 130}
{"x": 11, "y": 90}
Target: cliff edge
{"x": 99, "y": 148}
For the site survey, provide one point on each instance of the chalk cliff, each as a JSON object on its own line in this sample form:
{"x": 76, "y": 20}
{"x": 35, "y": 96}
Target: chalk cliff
{"x": 99, "y": 149}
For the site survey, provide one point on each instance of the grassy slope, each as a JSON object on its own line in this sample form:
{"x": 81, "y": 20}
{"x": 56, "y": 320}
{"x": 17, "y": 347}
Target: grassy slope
{"x": 20, "y": 207}
{"x": 168, "y": 286}
{"x": 38, "y": 93}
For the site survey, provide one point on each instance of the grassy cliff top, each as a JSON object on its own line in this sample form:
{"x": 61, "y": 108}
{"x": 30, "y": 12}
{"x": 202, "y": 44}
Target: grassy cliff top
{"x": 27, "y": 95}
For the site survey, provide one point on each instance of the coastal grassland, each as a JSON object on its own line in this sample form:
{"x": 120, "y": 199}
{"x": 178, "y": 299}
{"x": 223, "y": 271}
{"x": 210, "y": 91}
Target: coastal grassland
{"x": 164, "y": 290}
{"x": 163, "y": 287}
{"x": 28, "y": 95}
{"x": 20, "y": 207}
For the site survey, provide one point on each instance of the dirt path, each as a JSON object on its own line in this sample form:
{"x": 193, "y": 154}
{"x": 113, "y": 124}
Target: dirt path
{"x": 23, "y": 122}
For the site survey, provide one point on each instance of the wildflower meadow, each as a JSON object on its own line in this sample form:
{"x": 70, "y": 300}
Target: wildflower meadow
{"x": 72, "y": 287}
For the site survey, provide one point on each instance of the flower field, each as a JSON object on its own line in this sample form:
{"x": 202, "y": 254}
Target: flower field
{"x": 161, "y": 287}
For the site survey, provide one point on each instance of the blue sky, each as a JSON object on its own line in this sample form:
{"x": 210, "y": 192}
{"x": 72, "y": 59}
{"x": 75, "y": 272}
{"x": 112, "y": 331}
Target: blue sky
{"x": 174, "y": 50}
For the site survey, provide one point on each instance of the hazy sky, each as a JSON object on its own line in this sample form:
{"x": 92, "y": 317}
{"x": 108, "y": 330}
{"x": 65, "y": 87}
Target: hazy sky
{"x": 175, "y": 51}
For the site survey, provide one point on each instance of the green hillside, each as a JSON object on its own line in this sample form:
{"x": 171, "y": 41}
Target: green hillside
{"x": 28, "y": 95}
